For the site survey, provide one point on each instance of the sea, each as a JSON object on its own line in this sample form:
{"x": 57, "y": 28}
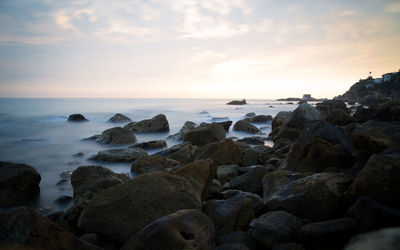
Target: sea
{"x": 36, "y": 132}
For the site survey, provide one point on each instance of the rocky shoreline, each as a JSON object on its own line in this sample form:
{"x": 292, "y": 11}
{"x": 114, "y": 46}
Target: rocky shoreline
{"x": 331, "y": 181}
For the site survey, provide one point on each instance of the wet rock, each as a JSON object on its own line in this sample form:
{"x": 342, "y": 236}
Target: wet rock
{"x": 224, "y": 152}
{"x": 260, "y": 118}
{"x": 94, "y": 179}
{"x": 226, "y": 172}
{"x": 62, "y": 182}
{"x": 237, "y": 237}
{"x": 79, "y": 155}
{"x": 229, "y": 215}
{"x": 151, "y": 163}
{"x": 18, "y": 183}
{"x": 119, "y": 118}
{"x": 236, "y": 102}
{"x": 257, "y": 201}
{"x": 121, "y": 211}
{"x": 388, "y": 239}
{"x": 274, "y": 228}
{"x": 335, "y": 112}
{"x": 252, "y": 180}
{"x": 22, "y": 228}
{"x": 379, "y": 179}
{"x": 315, "y": 197}
{"x": 185, "y": 154}
{"x": 251, "y": 114}
{"x": 254, "y": 140}
{"x": 119, "y": 155}
{"x": 186, "y": 127}
{"x": 279, "y": 120}
{"x": 321, "y": 148}
{"x": 151, "y": 144}
{"x": 158, "y": 123}
{"x": 184, "y": 229}
{"x": 117, "y": 136}
{"x": 245, "y": 126}
{"x": 219, "y": 119}
{"x": 77, "y": 118}
{"x": 204, "y": 134}
{"x": 63, "y": 200}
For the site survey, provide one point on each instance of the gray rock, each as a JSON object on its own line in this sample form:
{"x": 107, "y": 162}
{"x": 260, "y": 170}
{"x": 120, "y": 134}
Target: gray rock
{"x": 252, "y": 180}
{"x": 158, "y": 123}
{"x": 388, "y": 239}
{"x": 116, "y": 136}
{"x": 77, "y": 118}
{"x": 119, "y": 155}
{"x": 151, "y": 144}
{"x": 279, "y": 120}
{"x": 245, "y": 126}
{"x": 204, "y": 134}
{"x": 119, "y": 118}
{"x": 152, "y": 163}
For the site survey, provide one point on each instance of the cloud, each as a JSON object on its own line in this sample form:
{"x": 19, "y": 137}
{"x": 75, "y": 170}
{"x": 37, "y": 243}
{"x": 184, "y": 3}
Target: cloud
{"x": 393, "y": 7}
{"x": 123, "y": 32}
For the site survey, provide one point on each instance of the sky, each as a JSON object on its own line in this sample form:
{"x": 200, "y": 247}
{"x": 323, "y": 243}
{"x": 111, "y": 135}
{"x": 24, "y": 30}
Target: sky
{"x": 194, "y": 48}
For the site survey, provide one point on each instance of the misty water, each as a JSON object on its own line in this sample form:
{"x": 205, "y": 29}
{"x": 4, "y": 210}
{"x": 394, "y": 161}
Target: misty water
{"x": 36, "y": 131}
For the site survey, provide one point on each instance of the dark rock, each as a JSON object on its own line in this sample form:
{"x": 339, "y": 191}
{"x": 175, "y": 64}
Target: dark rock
{"x": 261, "y": 118}
{"x": 94, "y": 179}
{"x": 171, "y": 150}
{"x": 119, "y": 118}
{"x": 229, "y": 215}
{"x": 151, "y": 144}
{"x": 279, "y": 120}
{"x": 237, "y": 237}
{"x": 226, "y": 125}
{"x": 119, "y": 155}
{"x": 274, "y": 228}
{"x": 66, "y": 175}
{"x": 321, "y": 148}
{"x": 249, "y": 115}
{"x": 335, "y": 112}
{"x": 186, "y": 127}
{"x": 363, "y": 114}
{"x": 236, "y": 102}
{"x": 79, "y": 155}
{"x": 226, "y": 172}
{"x": 254, "y": 140}
{"x": 151, "y": 163}
{"x": 219, "y": 119}
{"x": 327, "y": 234}
{"x": 379, "y": 179}
{"x": 77, "y": 118}
{"x": 64, "y": 199}
{"x": 18, "y": 183}
{"x": 121, "y": 211}
{"x": 69, "y": 219}
{"x": 184, "y": 229}
{"x": 185, "y": 154}
{"x": 204, "y": 134}
{"x": 224, "y": 152}
{"x": 389, "y": 111}
{"x": 388, "y": 239}
{"x": 257, "y": 201}
{"x": 92, "y": 238}
{"x": 117, "y": 135}
{"x": 252, "y": 180}
{"x": 62, "y": 182}
{"x": 289, "y": 246}
{"x": 92, "y": 138}
{"x": 245, "y": 126}
{"x": 372, "y": 215}
{"x": 231, "y": 246}
{"x": 22, "y": 228}
{"x": 158, "y": 123}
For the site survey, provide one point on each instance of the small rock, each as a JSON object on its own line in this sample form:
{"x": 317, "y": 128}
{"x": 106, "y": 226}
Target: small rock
{"x": 158, "y": 123}
{"x": 119, "y": 118}
{"x": 236, "y": 102}
{"x": 249, "y": 115}
{"x": 77, "y": 118}
{"x": 79, "y": 155}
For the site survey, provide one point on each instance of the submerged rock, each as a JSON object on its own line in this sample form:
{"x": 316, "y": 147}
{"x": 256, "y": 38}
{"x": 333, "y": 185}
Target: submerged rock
{"x": 119, "y": 118}
{"x": 119, "y": 155}
{"x": 117, "y": 136}
{"x": 158, "y": 123}
{"x": 18, "y": 183}
{"x": 77, "y": 118}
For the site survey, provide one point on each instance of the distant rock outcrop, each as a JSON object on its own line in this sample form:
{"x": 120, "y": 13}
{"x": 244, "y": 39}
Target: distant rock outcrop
{"x": 77, "y": 118}
{"x": 237, "y": 102}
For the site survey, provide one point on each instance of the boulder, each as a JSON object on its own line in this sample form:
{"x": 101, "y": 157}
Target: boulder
{"x": 117, "y": 136}
{"x": 315, "y": 197}
{"x": 151, "y": 144}
{"x": 237, "y": 237}
{"x": 237, "y": 102}
{"x": 204, "y": 134}
{"x": 231, "y": 246}
{"x": 379, "y": 179}
{"x": 257, "y": 201}
{"x": 254, "y": 140}
{"x": 225, "y": 124}
{"x": 226, "y": 172}
{"x": 321, "y": 148}
{"x": 260, "y": 118}
{"x": 119, "y": 118}
{"x": 327, "y": 234}
{"x": 77, "y": 118}
{"x": 185, "y": 154}
{"x": 389, "y": 111}
{"x": 224, "y": 152}
{"x": 229, "y": 215}
{"x": 22, "y": 228}
{"x": 151, "y": 163}
{"x": 245, "y": 126}
{"x": 94, "y": 179}
{"x": 387, "y": 238}
{"x": 119, "y": 155}
{"x": 69, "y": 218}
{"x": 158, "y": 123}
{"x": 186, "y": 127}
{"x": 335, "y": 112}
{"x": 18, "y": 183}
{"x": 274, "y": 228}
{"x": 289, "y": 246}
{"x": 184, "y": 229}
{"x": 171, "y": 150}
{"x": 119, "y": 212}
{"x": 279, "y": 120}
{"x": 249, "y": 115}
{"x": 252, "y": 180}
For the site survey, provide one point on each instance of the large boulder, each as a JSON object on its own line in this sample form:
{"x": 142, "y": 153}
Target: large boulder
{"x": 252, "y": 181}
{"x": 121, "y": 211}
{"x": 152, "y": 163}
{"x": 388, "y": 239}
{"x": 315, "y": 197}
{"x": 117, "y": 135}
{"x": 119, "y": 155}
{"x": 184, "y": 229}
{"x": 94, "y": 179}
{"x": 259, "y": 118}
{"x": 204, "y": 134}
{"x": 119, "y": 118}
{"x": 224, "y": 152}
{"x": 227, "y": 172}
{"x": 22, "y": 228}
{"x": 321, "y": 148}
{"x": 156, "y": 144}
{"x": 237, "y": 237}
{"x": 279, "y": 120}
{"x": 230, "y": 215}
{"x": 335, "y": 112}
{"x": 158, "y": 123}
{"x": 245, "y": 126}
{"x": 274, "y": 228}
{"x": 77, "y": 118}
{"x": 379, "y": 179}
{"x": 189, "y": 125}
{"x": 18, "y": 182}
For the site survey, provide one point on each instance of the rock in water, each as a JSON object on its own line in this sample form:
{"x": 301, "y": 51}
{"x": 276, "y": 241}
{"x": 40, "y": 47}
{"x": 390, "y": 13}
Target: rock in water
{"x": 119, "y": 155}
{"x": 237, "y": 102}
{"x": 245, "y": 126}
{"x": 22, "y": 228}
{"x": 158, "y": 123}
{"x": 121, "y": 211}
{"x": 205, "y": 134}
{"x": 279, "y": 120}
{"x": 224, "y": 152}
{"x": 119, "y": 118}
{"x": 94, "y": 179}
{"x": 18, "y": 182}
{"x": 184, "y": 229}
{"x": 77, "y": 118}
{"x": 151, "y": 144}
{"x": 117, "y": 135}
{"x": 388, "y": 239}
